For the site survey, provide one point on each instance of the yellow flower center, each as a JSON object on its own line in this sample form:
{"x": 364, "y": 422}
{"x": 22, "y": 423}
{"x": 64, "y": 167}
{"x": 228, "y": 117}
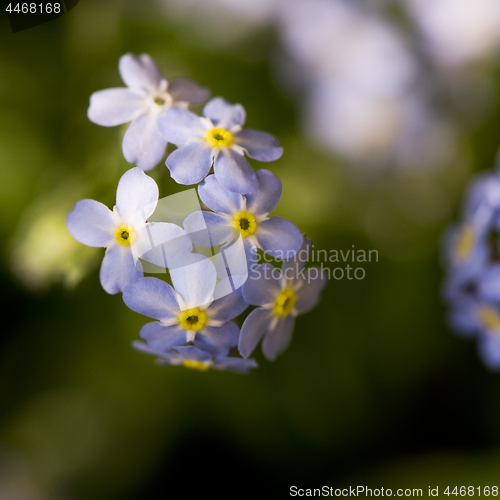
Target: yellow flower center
{"x": 219, "y": 138}
{"x": 193, "y": 319}
{"x": 245, "y": 223}
{"x": 159, "y": 100}
{"x": 489, "y": 318}
{"x": 465, "y": 242}
{"x": 284, "y": 303}
{"x": 195, "y": 365}
{"x": 124, "y": 235}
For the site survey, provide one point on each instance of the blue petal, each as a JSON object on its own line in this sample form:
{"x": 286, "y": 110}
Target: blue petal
{"x": 291, "y": 268}
{"x": 234, "y": 172}
{"x": 277, "y": 340}
{"x": 142, "y": 144}
{"x": 224, "y": 114}
{"x": 91, "y": 223}
{"x": 139, "y": 71}
{"x": 254, "y": 327}
{"x": 228, "y": 307}
{"x": 279, "y": 237}
{"x": 484, "y": 191}
{"x": 489, "y": 351}
{"x": 193, "y": 353}
{"x": 263, "y": 200}
{"x": 190, "y": 164}
{"x": 489, "y": 284}
{"x": 218, "y": 340}
{"x": 163, "y": 337}
{"x": 259, "y": 145}
{"x": 167, "y": 357}
{"x": 462, "y": 318}
{"x": 118, "y": 269}
{"x": 177, "y": 125}
{"x": 112, "y": 107}
{"x": 217, "y": 198}
{"x": 208, "y": 229}
{"x": 263, "y": 285}
{"x": 312, "y": 283}
{"x": 233, "y": 364}
{"x": 153, "y": 298}
{"x": 183, "y": 89}
{"x": 137, "y": 193}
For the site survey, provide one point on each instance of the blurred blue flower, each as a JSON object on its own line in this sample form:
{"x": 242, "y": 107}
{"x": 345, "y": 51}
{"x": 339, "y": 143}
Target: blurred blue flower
{"x": 124, "y": 230}
{"x": 281, "y": 296}
{"x": 146, "y": 98}
{"x": 466, "y": 251}
{"x": 247, "y": 216}
{"x": 471, "y": 252}
{"x": 189, "y": 313}
{"x": 196, "y": 359}
{"x": 473, "y": 316}
{"x": 217, "y": 140}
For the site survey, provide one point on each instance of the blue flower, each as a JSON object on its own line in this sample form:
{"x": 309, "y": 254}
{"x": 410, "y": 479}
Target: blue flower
{"x": 145, "y": 99}
{"x": 190, "y": 313}
{"x": 471, "y": 246}
{"x": 217, "y": 140}
{"x": 246, "y": 216}
{"x": 196, "y": 359}
{"x": 472, "y": 261}
{"x": 467, "y": 251}
{"x": 281, "y": 296}
{"x": 474, "y": 316}
{"x": 124, "y": 231}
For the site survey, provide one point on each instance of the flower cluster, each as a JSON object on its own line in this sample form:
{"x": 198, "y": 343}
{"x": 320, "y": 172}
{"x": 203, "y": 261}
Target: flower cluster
{"x": 194, "y": 315}
{"x": 472, "y": 261}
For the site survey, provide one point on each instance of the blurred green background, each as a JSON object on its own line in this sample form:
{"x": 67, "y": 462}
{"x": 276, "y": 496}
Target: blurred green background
{"x": 373, "y": 390}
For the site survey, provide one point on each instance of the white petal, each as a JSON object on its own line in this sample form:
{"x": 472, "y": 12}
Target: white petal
{"x": 194, "y": 279}
{"x": 140, "y": 71}
{"x": 112, "y": 107}
{"x": 136, "y": 193}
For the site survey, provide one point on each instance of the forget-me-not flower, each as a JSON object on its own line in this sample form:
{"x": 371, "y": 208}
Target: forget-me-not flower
{"x": 216, "y": 139}
{"x": 472, "y": 260}
{"x": 142, "y": 102}
{"x": 196, "y": 359}
{"x": 124, "y": 230}
{"x": 470, "y": 246}
{"x": 247, "y": 216}
{"x": 474, "y": 316}
{"x": 467, "y": 252}
{"x": 281, "y": 296}
{"x": 189, "y": 312}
